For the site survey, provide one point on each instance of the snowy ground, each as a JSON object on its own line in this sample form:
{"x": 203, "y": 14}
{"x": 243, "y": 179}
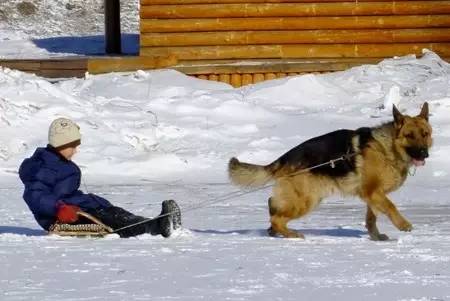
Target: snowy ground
{"x": 148, "y": 136}
{"x": 224, "y": 253}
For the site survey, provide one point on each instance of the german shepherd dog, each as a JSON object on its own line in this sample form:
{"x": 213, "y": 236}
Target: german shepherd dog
{"x": 372, "y": 162}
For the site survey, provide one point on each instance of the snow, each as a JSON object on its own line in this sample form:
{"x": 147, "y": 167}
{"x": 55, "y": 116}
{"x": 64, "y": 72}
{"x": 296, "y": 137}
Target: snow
{"x": 149, "y": 136}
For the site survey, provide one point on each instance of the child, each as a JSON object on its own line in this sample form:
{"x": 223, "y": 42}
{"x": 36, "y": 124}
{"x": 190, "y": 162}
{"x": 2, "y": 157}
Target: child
{"x": 52, "y": 183}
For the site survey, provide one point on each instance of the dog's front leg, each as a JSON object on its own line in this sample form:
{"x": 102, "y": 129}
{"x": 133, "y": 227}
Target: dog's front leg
{"x": 371, "y": 225}
{"x": 380, "y": 202}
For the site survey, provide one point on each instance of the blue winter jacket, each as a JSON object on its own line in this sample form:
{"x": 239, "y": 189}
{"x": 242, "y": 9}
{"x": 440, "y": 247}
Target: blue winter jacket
{"x": 48, "y": 178}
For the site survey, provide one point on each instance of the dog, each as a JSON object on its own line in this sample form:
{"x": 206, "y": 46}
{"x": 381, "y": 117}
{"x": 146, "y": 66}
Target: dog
{"x": 369, "y": 162}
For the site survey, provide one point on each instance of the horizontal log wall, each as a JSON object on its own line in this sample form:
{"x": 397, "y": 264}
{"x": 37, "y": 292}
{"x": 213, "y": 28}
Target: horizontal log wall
{"x": 282, "y": 23}
{"x": 195, "y": 30}
{"x": 296, "y": 37}
{"x": 153, "y": 2}
{"x": 237, "y": 10}
{"x": 295, "y": 51}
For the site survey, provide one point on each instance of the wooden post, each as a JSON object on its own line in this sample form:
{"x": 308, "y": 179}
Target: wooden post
{"x": 112, "y": 27}
{"x": 269, "y": 76}
{"x": 247, "y": 79}
{"x": 224, "y": 78}
{"x": 213, "y": 77}
{"x": 236, "y": 80}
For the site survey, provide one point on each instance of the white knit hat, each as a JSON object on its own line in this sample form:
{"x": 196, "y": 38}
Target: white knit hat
{"x": 63, "y": 131}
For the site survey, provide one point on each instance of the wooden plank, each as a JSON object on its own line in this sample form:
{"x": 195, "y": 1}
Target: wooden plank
{"x": 270, "y": 65}
{"x": 295, "y": 10}
{"x": 295, "y": 51}
{"x": 68, "y": 64}
{"x": 65, "y": 64}
{"x": 121, "y": 64}
{"x": 296, "y": 37}
{"x": 21, "y": 65}
{"x": 61, "y": 73}
{"x": 277, "y": 23}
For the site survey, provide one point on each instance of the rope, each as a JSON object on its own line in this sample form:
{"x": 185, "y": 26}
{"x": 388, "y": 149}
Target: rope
{"x": 239, "y": 193}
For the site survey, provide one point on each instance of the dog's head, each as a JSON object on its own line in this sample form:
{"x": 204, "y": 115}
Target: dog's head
{"x": 413, "y": 135}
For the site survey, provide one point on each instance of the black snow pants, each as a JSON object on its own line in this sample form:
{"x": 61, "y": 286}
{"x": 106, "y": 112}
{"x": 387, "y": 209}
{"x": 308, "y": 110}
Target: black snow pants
{"x": 116, "y": 217}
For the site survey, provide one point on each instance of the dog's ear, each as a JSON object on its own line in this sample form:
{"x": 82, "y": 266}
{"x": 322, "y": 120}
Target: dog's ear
{"x": 424, "y": 111}
{"x": 398, "y": 117}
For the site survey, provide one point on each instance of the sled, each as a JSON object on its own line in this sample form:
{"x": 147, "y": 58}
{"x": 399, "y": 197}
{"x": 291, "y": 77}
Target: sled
{"x": 92, "y": 227}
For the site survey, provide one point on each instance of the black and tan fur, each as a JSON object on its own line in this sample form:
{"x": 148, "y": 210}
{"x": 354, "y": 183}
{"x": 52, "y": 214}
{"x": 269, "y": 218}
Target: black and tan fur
{"x": 376, "y": 162}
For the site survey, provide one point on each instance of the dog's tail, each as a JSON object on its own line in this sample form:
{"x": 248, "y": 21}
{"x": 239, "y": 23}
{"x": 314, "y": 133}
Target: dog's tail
{"x": 249, "y": 175}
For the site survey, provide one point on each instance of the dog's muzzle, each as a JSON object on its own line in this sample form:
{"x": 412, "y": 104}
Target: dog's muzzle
{"x": 418, "y": 155}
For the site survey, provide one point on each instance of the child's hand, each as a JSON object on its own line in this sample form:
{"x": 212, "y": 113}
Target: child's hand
{"x": 67, "y": 214}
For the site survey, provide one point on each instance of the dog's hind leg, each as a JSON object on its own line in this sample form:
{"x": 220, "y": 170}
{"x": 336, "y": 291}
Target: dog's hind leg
{"x": 293, "y": 197}
{"x": 371, "y": 225}
{"x": 286, "y": 207}
{"x": 278, "y": 220}
{"x": 279, "y": 227}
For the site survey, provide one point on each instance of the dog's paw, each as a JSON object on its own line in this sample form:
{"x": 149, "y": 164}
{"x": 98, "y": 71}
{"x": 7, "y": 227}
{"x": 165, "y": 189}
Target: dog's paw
{"x": 287, "y": 234}
{"x": 405, "y": 226}
{"x": 294, "y": 234}
{"x": 272, "y": 232}
{"x": 378, "y": 237}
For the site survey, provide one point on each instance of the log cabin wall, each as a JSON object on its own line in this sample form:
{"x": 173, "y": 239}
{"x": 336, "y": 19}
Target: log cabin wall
{"x": 274, "y": 32}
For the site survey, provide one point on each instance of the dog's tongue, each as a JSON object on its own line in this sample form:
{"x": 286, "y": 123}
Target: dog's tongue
{"x": 418, "y": 162}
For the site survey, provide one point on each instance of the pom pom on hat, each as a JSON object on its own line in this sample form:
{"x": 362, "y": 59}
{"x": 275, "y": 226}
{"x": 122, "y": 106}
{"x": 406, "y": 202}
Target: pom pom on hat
{"x": 63, "y": 131}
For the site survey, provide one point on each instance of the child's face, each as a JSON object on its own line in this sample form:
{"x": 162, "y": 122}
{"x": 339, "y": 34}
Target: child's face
{"x": 68, "y": 152}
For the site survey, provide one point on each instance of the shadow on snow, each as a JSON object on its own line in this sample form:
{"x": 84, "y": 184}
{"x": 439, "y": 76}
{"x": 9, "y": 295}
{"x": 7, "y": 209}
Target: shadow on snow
{"x": 87, "y": 45}
{"x": 22, "y": 231}
{"x": 336, "y": 232}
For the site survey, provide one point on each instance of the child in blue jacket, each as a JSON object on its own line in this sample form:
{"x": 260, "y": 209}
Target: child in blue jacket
{"x": 52, "y": 182}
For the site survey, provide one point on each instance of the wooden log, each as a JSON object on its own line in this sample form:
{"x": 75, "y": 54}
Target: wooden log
{"x": 181, "y": 2}
{"x": 121, "y": 64}
{"x": 247, "y": 79}
{"x": 282, "y": 23}
{"x": 281, "y": 74}
{"x": 297, "y": 37}
{"x": 269, "y": 76}
{"x": 258, "y": 77}
{"x": 296, "y": 51}
{"x": 295, "y": 9}
{"x": 224, "y": 78}
{"x": 202, "y": 76}
{"x": 236, "y": 80}
{"x": 213, "y": 77}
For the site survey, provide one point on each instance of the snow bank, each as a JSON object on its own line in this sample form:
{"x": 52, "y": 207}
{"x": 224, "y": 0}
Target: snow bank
{"x": 163, "y": 124}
